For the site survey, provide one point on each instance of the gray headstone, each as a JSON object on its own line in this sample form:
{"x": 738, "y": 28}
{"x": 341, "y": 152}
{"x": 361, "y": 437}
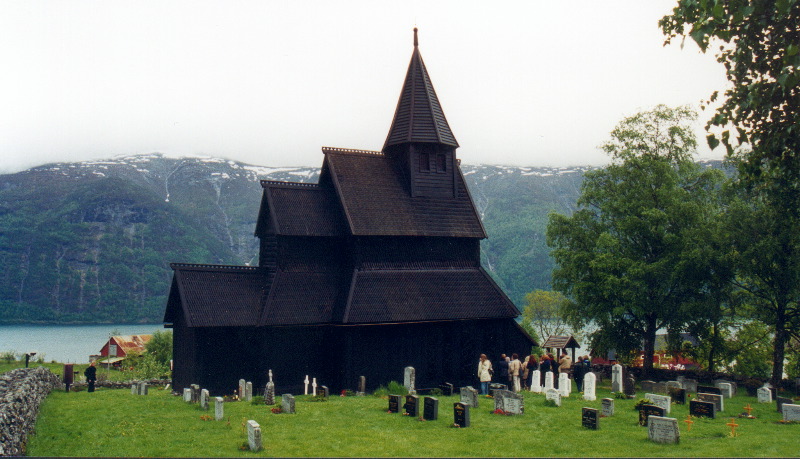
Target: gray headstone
{"x": 660, "y": 388}
{"x": 324, "y": 391}
{"x": 219, "y": 408}
{"x": 242, "y": 389}
{"x": 195, "y": 393}
{"x": 269, "y": 394}
{"x": 716, "y": 399}
{"x": 430, "y": 409}
{"x": 410, "y": 379}
{"x": 469, "y": 396}
{"x": 589, "y": 385}
{"x": 673, "y": 384}
{"x": 780, "y": 401}
{"x": 662, "y": 401}
{"x": 362, "y": 385}
{"x": 187, "y": 394}
{"x": 690, "y": 385}
{"x": 607, "y": 407}
{"x": 287, "y": 403}
{"x": 647, "y": 385}
{"x": 248, "y": 391}
{"x": 663, "y": 429}
{"x": 135, "y": 389}
{"x": 142, "y": 388}
{"x": 616, "y": 378}
{"x": 726, "y": 388}
{"x": 629, "y": 384}
{"x": 554, "y": 395}
{"x": 717, "y": 383}
{"x": 204, "y": 399}
{"x": 764, "y": 395}
{"x": 254, "y": 435}
{"x": 509, "y": 401}
{"x": 791, "y": 413}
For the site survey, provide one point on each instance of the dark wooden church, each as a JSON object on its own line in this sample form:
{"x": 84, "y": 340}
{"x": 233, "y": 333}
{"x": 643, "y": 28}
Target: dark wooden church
{"x": 374, "y": 268}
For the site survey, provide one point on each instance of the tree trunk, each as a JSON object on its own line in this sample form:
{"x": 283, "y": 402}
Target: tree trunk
{"x": 649, "y": 347}
{"x": 712, "y": 352}
{"x": 779, "y": 346}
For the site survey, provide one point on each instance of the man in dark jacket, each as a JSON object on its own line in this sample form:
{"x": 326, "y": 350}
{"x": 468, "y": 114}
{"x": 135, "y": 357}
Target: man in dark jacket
{"x": 91, "y": 376}
{"x": 578, "y": 372}
{"x": 501, "y": 367}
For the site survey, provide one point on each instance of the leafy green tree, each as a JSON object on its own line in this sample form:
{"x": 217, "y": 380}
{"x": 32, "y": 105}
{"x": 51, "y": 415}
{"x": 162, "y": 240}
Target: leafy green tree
{"x": 546, "y": 313}
{"x": 633, "y": 257}
{"x": 754, "y": 360}
{"x": 160, "y": 346}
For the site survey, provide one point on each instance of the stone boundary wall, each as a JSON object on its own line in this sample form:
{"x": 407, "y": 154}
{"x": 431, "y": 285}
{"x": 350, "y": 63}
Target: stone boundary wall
{"x": 21, "y": 392}
{"x": 78, "y": 386}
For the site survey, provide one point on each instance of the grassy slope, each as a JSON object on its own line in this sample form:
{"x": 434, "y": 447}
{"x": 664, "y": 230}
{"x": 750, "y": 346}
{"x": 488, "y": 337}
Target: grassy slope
{"x": 116, "y": 423}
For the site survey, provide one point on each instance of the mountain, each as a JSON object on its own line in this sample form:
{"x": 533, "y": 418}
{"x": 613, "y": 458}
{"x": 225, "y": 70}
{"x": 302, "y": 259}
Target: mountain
{"x": 91, "y": 242}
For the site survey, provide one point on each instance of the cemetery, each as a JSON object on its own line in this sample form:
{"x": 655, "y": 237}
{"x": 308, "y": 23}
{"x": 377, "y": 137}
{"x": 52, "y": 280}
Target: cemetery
{"x": 433, "y": 424}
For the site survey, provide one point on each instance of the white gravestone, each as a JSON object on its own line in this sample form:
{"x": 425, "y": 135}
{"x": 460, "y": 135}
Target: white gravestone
{"x": 248, "y": 391}
{"x": 554, "y": 395}
{"x": 564, "y": 384}
{"x": 254, "y": 435}
{"x": 142, "y": 388}
{"x": 536, "y": 382}
{"x": 409, "y": 379}
{"x": 241, "y": 389}
{"x": 187, "y": 395}
{"x": 661, "y": 401}
{"x": 305, "y": 385}
{"x": 791, "y": 413}
{"x": 589, "y": 384}
{"x": 219, "y": 408}
{"x": 662, "y": 429}
{"x": 608, "y": 407}
{"x": 134, "y": 389}
{"x": 616, "y": 378}
{"x": 548, "y": 381}
{"x": 764, "y": 395}
{"x": 726, "y": 389}
{"x": 314, "y": 387}
{"x": 204, "y": 399}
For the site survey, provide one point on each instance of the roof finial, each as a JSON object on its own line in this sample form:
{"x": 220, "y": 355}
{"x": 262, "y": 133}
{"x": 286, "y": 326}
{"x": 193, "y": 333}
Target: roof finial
{"x": 416, "y": 42}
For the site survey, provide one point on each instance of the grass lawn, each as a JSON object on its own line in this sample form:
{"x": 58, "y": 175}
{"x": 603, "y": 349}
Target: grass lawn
{"x": 116, "y": 423}
{"x": 58, "y": 368}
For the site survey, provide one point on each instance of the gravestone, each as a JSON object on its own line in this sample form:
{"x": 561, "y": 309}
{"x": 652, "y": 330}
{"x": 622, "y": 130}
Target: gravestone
{"x": 469, "y": 396}
{"x": 509, "y": 401}
{"x": 564, "y": 384}
{"x": 204, "y": 399}
{"x": 663, "y": 430}
{"x": 242, "y": 383}
{"x": 709, "y": 390}
{"x": 673, "y": 385}
{"x": 410, "y": 379}
{"x": 447, "y": 389}
{"x": 590, "y": 418}
{"x": 142, "y": 388}
{"x": 461, "y": 414}
{"x": 717, "y": 383}
{"x": 254, "y": 435}
{"x": 269, "y": 394}
{"x": 412, "y": 405}
{"x": 536, "y": 382}
{"x": 663, "y": 401}
{"x": 430, "y": 409}
{"x": 219, "y": 408}
{"x": 324, "y": 391}
{"x": 135, "y": 389}
{"x": 616, "y": 378}
{"x": 680, "y": 379}
{"x": 314, "y": 387}
{"x": 548, "y": 381}
{"x": 287, "y": 403}
{"x": 726, "y": 388}
{"x": 646, "y": 411}
{"x": 589, "y": 385}
{"x": 764, "y": 395}
{"x": 678, "y": 395}
{"x": 791, "y": 413}
{"x": 248, "y": 391}
{"x": 780, "y": 401}
{"x": 629, "y": 386}
{"x": 554, "y": 395}
{"x": 716, "y": 399}
{"x": 496, "y": 386}
{"x": 699, "y": 408}
{"x": 659, "y": 388}
{"x": 394, "y": 403}
{"x": 608, "y": 407}
{"x": 195, "y": 393}
{"x": 690, "y": 385}
{"x": 647, "y": 385}
{"x": 187, "y": 394}
{"x": 362, "y": 386}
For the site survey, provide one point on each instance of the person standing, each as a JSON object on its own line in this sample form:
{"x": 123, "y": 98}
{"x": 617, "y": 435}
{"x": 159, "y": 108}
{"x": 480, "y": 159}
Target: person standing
{"x": 91, "y": 376}
{"x": 578, "y": 372}
{"x": 484, "y": 373}
{"x": 532, "y": 365}
{"x": 544, "y": 367}
{"x": 502, "y": 369}
{"x": 514, "y": 368}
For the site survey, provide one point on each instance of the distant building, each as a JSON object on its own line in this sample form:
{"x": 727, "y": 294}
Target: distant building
{"x": 118, "y": 347}
{"x": 374, "y": 268}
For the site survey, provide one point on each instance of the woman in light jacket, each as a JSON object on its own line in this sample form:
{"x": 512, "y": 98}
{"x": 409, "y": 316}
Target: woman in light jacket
{"x": 484, "y": 373}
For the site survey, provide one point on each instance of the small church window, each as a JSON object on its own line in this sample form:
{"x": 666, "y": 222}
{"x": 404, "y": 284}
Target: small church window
{"x": 424, "y": 162}
{"x": 441, "y": 163}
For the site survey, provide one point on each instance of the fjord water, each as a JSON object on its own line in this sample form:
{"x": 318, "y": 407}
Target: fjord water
{"x": 66, "y": 343}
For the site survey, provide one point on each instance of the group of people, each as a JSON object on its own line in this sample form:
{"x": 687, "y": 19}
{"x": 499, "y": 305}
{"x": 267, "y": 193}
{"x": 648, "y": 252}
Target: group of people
{"x": 519, "y": 374}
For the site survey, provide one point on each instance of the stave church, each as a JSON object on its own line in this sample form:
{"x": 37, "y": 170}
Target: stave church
{"x": 374, "y": 268}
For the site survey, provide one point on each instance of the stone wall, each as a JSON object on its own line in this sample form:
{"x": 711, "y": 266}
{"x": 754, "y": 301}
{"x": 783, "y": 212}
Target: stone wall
{"x": 21, "y": 391}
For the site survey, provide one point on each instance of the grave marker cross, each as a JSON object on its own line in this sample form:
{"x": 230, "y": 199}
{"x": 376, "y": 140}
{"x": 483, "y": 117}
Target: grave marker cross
{"x": 733, "y": 425}
{"x": 689, "y": 422}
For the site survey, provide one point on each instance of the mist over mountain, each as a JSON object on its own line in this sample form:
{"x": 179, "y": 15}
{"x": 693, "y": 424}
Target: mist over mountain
{"x": 91, "y": 242}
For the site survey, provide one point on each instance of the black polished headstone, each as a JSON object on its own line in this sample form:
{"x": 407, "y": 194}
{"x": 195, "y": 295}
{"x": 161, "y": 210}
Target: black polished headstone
{"x": 447, "y": 389}
{"x": 461, "y": 414}
{"x": 678, "y": 395}
{"x": 412, "y": 405}
{"x": 780, "y": 401}
{"x": 394, "y": 403}
{"x": 649, "y": 410}
{"x": 709, "y": 390}
{"x": 589, "y": 418}
{"x": 702, "y": 409}
{"x": 430, "y": 410}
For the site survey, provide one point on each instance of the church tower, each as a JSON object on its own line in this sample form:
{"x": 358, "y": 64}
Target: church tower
{"x": 420, "y": 140}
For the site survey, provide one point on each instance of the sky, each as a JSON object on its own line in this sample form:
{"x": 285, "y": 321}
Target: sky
{"x": 526, "y": 83}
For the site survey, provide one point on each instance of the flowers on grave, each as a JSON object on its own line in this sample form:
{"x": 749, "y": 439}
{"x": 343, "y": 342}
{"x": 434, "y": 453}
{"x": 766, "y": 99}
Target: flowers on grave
{"x": 501, "y": 412}
{"x": 277, "y": 410}
{"x": 421, "y": 419}
{"x": 455, "y": 425}
{"x": 205, "y": 417}
{"x": 343, "y": 394}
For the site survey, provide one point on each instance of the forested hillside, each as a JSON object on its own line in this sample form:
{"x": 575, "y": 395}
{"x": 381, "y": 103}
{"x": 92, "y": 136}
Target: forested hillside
{"x": 92, "y": 242}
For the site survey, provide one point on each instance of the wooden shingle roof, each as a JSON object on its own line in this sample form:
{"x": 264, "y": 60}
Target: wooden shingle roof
{"x": 419, "y": 116}
{"x": 561, "y": 342}
{"x": 377, "y": 203}
{"x": 300, "y": 209}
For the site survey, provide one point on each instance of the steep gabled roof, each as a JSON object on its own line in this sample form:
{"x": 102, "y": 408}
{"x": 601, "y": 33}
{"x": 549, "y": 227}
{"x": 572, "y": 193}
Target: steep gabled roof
{"x": 419, "y": 116}
{"x": 561, "y": 342}
{"x": 300, "y": 209}
{"x": 376, "y": 202}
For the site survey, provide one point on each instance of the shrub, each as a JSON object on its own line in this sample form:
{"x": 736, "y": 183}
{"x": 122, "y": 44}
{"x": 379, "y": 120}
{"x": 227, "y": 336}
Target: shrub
{"x": 8, "y": 356}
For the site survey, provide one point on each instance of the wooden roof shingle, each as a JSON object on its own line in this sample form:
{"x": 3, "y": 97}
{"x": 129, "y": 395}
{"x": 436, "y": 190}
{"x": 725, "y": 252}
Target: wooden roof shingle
{"x": 561, "y": 342}
{"x": 300, "y": 209}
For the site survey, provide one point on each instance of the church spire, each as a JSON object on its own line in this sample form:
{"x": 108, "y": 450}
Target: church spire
{"x": 419, "y": 116}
